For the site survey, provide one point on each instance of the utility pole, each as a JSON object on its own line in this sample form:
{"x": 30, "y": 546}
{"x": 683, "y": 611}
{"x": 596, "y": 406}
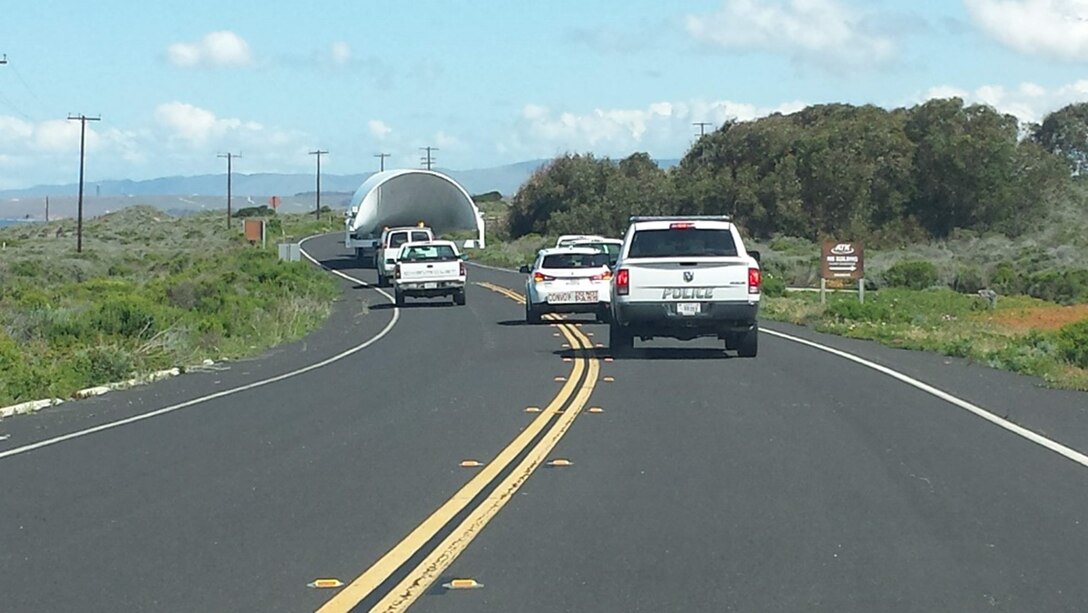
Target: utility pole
{"x": 4, "y": 59}
{"x": 382, "y": 157}
{"x": 230, "y": 158}
{"x": 428, "y": 159}
{"x": 47, "y": 208}
{"x": 83, "y": 119}
{"x": 317, "y": 197}
{"x": 702, "y": 127}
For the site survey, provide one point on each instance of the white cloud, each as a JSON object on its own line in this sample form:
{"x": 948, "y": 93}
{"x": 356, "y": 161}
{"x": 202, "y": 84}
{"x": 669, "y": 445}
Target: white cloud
{"x": 223, "y": 48}
{"x": 192, "y": 123}
{"x": 662, "y": 127}
{"x": 823, "y": 32}
{"x": 1051, "y": 28}
{"x": 445, "y": 140}
{"x": 340, "y": 52}
{"x": 378, "y": 129}
{"x": 1028, "y": 101}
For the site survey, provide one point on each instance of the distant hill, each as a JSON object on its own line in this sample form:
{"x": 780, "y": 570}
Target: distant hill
{"x": 505, "y": 179}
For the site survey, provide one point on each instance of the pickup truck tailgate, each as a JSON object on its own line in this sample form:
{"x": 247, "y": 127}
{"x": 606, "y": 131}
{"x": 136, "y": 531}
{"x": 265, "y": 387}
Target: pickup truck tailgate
{"x": 425, "y": 271}
{"x": 698, "y": 279}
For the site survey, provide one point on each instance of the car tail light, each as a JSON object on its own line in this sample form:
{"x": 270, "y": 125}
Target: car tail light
{"x": 681, "y": 225}
{"x": 396, "y": 271}
{"x": 755, "y": 279}
{"x": 539, "y": 277}
{"x": 463, "y": 272}
{"x": 623, "y": 282}
{"x": 604, "y": 276}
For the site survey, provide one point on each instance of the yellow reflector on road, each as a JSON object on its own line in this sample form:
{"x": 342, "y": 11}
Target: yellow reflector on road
{"x": 596, "y": 410}
{"x": 471, "y": 463}
{"x": 532, "y": 409}
{"x": 560, "y": 462}
{"x": 463, "y": 584}
{"x": 609, "y": 379}
{"x": 325, "y": 583}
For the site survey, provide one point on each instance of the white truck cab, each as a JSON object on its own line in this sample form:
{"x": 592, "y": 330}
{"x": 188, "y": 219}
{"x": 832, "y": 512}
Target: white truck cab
{"x": 389, "y": 246}
{"x": 684, "y": 278}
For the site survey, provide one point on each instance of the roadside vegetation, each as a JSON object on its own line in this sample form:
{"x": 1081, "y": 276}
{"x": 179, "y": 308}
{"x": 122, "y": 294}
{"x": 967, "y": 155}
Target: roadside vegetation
{"x": 949, "y": 199}
{"x": 149, "y": 292}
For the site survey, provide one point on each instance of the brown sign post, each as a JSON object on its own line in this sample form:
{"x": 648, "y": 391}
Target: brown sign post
{"x": 254, "y": 231}
{"x": 845, "y": 261}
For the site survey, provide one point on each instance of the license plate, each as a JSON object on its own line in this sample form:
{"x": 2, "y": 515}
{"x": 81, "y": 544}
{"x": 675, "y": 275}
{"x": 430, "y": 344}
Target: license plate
{"x": 430, "y": 285}
{"x": 572, "y": 297}
{"x": 688, "y": 308}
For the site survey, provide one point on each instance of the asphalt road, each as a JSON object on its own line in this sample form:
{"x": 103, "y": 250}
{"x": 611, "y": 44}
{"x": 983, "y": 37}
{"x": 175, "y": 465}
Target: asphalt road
{"x": 795, "y": 481}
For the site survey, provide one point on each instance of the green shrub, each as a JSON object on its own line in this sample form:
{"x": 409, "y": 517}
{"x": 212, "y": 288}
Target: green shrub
{"x": 1006, "y": 279}
{"x": 1072, "y": 341}
{"x": 852, "y": 310}
{"x": 1063, "y": 286}
{"x": 132, "y": 316}
{"x": 773, "y": 286}
{"x": 968, "y": 280}
{"x": 911, "y": 274}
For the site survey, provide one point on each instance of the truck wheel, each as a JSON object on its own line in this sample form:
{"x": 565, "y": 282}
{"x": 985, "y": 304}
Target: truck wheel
{"x": 748, "y": 343}
{"x": 459, "y": 297}
{"x": 381, "y": 279}
{"x": 620, "y": 341}
{"x": 532, "y": 316}
{"x": 399, "y": 298}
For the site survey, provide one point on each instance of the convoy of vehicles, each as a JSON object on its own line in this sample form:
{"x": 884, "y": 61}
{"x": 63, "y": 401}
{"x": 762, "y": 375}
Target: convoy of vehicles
{"x": 567, "y": 280}
{"x": 669, "y": 277}
{"x": 684, "y": 278}
{"x": 429, "y": 269}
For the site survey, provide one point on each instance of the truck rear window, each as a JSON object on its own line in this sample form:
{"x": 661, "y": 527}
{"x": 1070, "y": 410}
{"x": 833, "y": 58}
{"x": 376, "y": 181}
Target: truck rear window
{"x": 429, "y": 253}
{"x": 419, "y": 237}
{"x": 575, "y": 260}
{"x": 398, "y": 238}
{"x": 693, "y": 242}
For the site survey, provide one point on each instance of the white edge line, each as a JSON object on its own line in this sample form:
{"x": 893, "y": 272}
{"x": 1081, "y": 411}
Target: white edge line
{"x": 1030, "y": 435}
{"x": 177, "y": 407}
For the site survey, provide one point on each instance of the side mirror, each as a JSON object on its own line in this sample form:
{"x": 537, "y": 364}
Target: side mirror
{"x": 754, "y": 255}
{"x": 463, "y": 256}
{"x": 524, "y": 269}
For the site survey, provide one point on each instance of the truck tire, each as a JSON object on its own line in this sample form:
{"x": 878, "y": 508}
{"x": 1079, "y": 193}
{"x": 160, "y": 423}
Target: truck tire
{"x": 459, "y": 297}
{"x": 381, "y": 278}
{"x": 399, "y": 297}
{"x": 532, "y": 316}
{"x": 620, "y": 341}
{"x": 748, "y": 343}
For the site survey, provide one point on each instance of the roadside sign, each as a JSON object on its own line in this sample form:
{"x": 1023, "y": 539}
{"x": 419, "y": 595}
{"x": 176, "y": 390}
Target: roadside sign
{"x": 842, "y": 260}
{"x": 254, "y": 230}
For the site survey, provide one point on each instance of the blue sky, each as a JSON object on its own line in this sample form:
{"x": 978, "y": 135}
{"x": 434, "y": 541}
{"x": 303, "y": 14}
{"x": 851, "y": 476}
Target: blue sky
{"x": 488, "y": 82}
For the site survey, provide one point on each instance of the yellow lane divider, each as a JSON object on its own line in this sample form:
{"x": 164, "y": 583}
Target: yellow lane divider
{"x": 575, "y": 391}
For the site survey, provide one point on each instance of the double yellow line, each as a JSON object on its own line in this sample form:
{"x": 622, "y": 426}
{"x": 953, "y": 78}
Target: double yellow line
{"x": 533, "y": 446}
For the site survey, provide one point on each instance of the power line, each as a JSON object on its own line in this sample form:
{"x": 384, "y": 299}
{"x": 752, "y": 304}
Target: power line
{"x": 428, "y": 159}
{"x": 382, "y": 156}
{"x": 5, "y": 101}
{"x": 317, "y": 197}
{"x": 230, "y": 158}
{"x": 83, "y": 119}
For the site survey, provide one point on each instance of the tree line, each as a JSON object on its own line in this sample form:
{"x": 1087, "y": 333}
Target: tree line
{"x": 834, "y": 170}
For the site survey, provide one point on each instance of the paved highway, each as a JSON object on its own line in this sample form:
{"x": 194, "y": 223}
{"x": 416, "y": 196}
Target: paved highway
{"x": 800, "y": 480}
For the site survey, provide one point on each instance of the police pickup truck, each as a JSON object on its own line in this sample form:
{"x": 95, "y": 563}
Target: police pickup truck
{"x": 429, "y": 269}
{"x": 684, "y": 278}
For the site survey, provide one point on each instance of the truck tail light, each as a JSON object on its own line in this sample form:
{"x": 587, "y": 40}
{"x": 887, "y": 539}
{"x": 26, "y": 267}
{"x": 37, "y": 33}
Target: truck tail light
{"x": 463, "y": 272}
{"x": 396, "y": 271}
{"x": 623, "y": 282}
{"x": 755, "y": 280}
{"x": 682, "y": 225}
{"x": 539, "y": 277}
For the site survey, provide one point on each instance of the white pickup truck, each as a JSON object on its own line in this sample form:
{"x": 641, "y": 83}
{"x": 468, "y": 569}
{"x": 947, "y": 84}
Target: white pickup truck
{"x": 429, "y": 269}
{"x": 684, "y": 278}
{"x": 389, "y": 246}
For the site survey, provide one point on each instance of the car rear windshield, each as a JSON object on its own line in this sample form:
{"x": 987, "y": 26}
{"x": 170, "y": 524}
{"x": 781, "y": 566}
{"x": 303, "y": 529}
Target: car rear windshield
{"x": 575, "y": 260}
{"x": 426, "y": 253}
{"x": 690, "y": 242}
